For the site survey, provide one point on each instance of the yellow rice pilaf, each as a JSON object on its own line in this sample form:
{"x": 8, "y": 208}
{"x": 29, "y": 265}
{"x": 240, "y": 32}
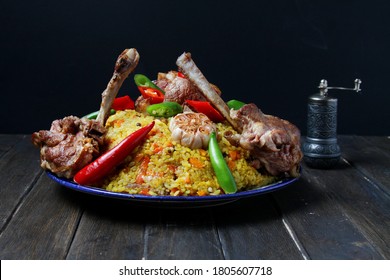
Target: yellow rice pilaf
{"x": 164, "y": 167}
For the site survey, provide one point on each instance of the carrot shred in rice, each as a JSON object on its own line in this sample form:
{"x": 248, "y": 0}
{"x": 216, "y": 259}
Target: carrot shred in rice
{"x": 169, "y": 144}
{"x": 201, "y": 193}
{"x": 144, "y": 191}
{"x": 231, "y": 165}
{"x": 202, "y": 152}
{"x": 175, "y": 191}
{"x": 118, "y": 123}
{"x": 157, "y": 148}
{"x": 142, "y": 170}
{"x": 196, "y": 162}
{"x": 234, "y": 155}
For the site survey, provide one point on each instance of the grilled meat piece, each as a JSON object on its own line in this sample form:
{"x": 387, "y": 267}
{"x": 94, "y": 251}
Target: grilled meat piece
{"x": 189, "y": 68}
{"x": 179, "y": 89}
{"x": 274, "y": 143}
{"x": 69, "y": 145}
{"x": 141, "y": 103}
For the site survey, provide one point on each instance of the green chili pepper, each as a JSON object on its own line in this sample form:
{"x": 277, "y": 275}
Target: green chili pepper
{"x": 143, "y": 81}
{"x": 93, "y": 115}
{"x": 235, "y": 104}
{"x": 164, "y": 109}
{"x": 221, "y": 169}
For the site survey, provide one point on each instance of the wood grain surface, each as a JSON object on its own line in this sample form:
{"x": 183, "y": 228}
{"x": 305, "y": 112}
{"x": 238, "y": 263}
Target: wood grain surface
{"x": 340, "y": 213}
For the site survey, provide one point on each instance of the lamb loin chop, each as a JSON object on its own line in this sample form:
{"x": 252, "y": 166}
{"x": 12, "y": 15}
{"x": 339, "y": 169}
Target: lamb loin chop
{"x": 273, "y": 143}
{"x": 71, "y": 143}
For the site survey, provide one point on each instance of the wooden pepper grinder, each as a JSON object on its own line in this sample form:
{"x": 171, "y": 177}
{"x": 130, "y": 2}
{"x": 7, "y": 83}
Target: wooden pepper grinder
{"x": 320, "y": 148}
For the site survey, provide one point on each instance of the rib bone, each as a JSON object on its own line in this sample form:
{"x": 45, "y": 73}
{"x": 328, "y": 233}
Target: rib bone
{"x": 189, "y": 68}
{"x": 125, "y": 64}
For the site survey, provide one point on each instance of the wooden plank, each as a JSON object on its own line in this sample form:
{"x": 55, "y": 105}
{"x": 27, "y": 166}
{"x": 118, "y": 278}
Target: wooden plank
{"x": 7, "y": 141}
{"x": 253, "y": 229}
{"x": 344, "y": 215}
{"x": 114, "y": 233}
{"x": 369, "y": 155}
{"x": 381, "y": 142}
{"x": 183, "y": 234}
{"x": 368, "y": 206}
{"x": 19, "y": 169}
{"x": 327, "y": 214}
{"x": 110, "y": 229}
{"x": 319, "y": 221}
{"x": 43, "y": 225}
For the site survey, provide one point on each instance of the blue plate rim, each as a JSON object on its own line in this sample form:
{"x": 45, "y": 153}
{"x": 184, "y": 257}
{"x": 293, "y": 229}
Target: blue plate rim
{"x": 159, "y": 198}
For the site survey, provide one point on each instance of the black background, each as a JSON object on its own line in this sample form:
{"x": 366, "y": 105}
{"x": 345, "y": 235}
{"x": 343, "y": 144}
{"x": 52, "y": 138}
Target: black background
{"x": 56, "y": 57}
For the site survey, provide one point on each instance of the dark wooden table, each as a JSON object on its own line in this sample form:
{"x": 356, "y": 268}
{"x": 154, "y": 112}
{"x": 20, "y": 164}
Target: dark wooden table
{"x": 342, "y": 213}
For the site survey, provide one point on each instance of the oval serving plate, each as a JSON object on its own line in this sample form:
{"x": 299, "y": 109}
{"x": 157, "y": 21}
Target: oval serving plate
{"x": 181, "y": 201}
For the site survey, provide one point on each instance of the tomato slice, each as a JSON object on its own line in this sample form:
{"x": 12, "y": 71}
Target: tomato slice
{"x": 154, "y": 95}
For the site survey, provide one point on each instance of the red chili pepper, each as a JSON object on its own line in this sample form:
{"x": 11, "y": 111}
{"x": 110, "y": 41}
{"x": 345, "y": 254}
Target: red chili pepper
{"x": 206, "y": 108}
{"x": 100, "y": 167}
{"x": 154, "y": 95}
{"x": 181, "y": 75}
{"x": 123, "y": 103}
